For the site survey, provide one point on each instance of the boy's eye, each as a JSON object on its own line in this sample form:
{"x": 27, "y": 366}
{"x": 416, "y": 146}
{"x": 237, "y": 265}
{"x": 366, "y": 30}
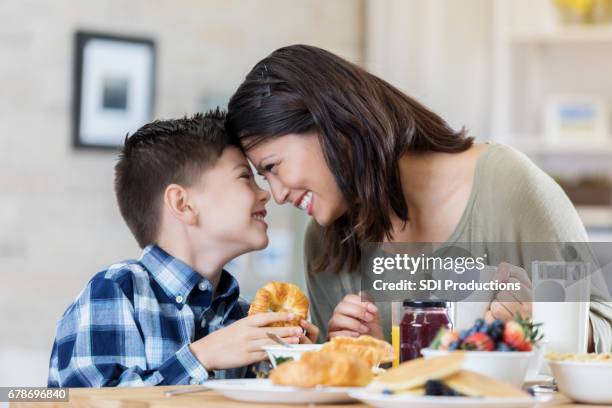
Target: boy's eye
{"x": 269, "y": 167}
{"x": 245, "y": 175}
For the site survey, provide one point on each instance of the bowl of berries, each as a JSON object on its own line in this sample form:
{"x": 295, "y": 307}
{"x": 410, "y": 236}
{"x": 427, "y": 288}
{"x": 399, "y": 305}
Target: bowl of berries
{"x": 500, "y": 350}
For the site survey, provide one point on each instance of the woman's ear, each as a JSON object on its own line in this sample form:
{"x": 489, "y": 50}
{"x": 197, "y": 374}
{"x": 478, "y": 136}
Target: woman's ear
{"x": 176, "y": 198}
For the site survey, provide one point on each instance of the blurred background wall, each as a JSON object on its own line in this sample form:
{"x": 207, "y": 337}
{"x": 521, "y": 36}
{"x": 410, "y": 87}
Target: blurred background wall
{"x": 59, "y": 223}
{"x": 489, "y": 65}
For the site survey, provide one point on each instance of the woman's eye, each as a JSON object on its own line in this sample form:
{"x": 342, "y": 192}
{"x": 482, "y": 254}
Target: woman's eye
{"x": 269, "y": 167}
{"x": 245, "y": 175}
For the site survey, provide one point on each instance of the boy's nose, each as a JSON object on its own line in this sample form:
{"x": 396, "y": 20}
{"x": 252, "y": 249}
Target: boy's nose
{"x": 264, "y": 196}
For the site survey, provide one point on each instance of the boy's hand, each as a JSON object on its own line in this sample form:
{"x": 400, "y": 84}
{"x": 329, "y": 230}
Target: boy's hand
{"x": 239, "y": 344}
{"x": 312, "y": 332}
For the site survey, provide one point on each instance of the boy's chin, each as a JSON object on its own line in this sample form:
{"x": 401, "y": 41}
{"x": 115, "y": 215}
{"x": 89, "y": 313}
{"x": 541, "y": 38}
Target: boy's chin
{"x": 259, "y": 242}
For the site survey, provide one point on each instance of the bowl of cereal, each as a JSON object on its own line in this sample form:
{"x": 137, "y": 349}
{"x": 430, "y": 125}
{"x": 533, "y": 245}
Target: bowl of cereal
{"x": 583, "y": 377}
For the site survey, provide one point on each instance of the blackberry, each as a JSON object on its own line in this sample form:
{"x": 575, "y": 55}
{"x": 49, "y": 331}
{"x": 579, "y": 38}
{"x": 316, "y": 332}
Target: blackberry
{"x": 438, "y": 388}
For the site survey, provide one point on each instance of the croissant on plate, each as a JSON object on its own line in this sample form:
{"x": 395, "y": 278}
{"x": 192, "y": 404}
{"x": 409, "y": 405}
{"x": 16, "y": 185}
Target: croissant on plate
{"x": 281, "y": 297}
{"x": 374, "y": 351}
{"x": 329, "y": 368}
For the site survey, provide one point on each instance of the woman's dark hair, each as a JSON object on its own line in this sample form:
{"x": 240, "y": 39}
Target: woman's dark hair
{"x": 364, "y": 126}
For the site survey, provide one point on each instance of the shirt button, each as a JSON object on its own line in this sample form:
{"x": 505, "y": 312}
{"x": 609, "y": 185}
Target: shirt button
{"x": 193, "y": 381}
{"x": 203, "y": 286}
{"x": 179, "y": 299}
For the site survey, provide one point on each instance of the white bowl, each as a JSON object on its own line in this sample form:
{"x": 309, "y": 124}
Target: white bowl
{"x": 536, "y": 364}
{"x": 582, "y": 381}
{"x": 294, "y": 352}
{"x": 508, "y": 366}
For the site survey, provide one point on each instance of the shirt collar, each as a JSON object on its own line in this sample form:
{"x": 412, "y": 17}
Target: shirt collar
{"x": 174, "y": 276}
{"x": 177, "y": 278}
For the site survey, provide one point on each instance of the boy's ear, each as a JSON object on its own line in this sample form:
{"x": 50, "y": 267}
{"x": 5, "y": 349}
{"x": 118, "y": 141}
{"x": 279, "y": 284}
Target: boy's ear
{"x": 176, "y": 198}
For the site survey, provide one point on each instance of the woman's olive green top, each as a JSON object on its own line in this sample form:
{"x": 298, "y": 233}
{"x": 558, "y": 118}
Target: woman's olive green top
{"x": 512, "y": 201}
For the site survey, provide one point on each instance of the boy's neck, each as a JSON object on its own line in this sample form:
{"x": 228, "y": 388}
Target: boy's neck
{"x": 207, "y": 263}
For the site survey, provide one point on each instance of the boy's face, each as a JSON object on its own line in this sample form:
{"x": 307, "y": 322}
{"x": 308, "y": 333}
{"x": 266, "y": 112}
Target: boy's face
{"x": 230, "y": 204}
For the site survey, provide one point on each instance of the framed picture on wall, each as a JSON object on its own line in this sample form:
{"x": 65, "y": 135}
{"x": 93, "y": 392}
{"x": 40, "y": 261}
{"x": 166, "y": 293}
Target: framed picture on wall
{"x": 114, "y": 88}
{"x": 576, "y": 121}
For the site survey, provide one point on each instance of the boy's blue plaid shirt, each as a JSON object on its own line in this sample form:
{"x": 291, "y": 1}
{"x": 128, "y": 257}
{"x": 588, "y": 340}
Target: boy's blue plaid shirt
{"x": 133, "y": 322}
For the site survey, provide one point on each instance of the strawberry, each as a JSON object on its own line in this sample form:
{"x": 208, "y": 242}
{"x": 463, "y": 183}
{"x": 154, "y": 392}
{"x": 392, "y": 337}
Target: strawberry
{"x": 514, "y": 335}
{"x": 478, "y": 342}
{"x": 444, "y": 338}
{"x": 524, "y": 346}
{"x": 521, "y": 334}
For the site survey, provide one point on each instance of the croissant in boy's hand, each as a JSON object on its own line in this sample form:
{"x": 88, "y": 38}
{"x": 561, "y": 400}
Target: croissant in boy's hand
{"x": 281, "y": 297}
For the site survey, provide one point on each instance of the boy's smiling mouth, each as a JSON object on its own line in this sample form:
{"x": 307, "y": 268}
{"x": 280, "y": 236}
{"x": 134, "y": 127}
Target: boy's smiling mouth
{"x": 305, "y": 202}
{"x": 260, "y": 215}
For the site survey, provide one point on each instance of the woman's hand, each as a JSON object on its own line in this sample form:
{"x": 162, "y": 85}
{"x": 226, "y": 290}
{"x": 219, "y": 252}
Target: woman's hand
{"x": 509, "y": 303}
{"x": 311, "y": 332}
{"x": 354, "y": 317}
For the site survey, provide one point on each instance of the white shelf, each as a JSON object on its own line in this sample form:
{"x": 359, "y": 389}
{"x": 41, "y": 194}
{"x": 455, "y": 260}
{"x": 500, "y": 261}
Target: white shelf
{"x": 567, "y": 35}
{"x": 595, "y": 216}
{"x": 537, "y": 145}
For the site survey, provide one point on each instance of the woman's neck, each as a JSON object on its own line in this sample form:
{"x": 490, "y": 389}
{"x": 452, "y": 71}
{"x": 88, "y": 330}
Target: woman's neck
{"x": 436, "y": 187}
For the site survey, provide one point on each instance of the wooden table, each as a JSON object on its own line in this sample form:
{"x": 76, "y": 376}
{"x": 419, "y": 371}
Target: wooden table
{"x": 153, "y": 397}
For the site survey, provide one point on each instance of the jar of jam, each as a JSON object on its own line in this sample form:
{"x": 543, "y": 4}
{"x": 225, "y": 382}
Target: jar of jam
{"x": 420, "y": 323}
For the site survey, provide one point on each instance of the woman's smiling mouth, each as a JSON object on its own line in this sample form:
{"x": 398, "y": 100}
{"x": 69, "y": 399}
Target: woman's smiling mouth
{"x": 305, "y": 202}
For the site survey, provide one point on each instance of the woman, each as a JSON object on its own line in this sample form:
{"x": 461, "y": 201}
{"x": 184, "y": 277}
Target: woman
{"x": 371, "y": 164}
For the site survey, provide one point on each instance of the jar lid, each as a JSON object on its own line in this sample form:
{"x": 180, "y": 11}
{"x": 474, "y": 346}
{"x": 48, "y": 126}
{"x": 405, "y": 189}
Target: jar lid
{"x": 423, "y": 304}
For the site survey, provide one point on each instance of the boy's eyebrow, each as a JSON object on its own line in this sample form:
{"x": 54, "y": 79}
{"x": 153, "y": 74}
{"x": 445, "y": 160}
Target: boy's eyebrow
{"x": 241, "y": 165}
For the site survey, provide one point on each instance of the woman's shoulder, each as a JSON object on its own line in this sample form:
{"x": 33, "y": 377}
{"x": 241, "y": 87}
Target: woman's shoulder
{"x": 513, "y": 189}
{"x": 509, "y": 173}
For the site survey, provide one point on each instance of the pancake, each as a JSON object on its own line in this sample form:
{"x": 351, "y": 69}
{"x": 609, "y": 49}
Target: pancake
{"x": 474, "y": 384}
{"x": 415, "y": 373}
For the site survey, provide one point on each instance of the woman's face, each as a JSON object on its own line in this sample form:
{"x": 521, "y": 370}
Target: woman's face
{"x": 297, "y": 172}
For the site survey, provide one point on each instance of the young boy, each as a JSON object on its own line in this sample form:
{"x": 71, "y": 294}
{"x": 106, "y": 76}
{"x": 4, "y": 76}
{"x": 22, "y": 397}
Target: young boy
{"x": 173, "y": 316}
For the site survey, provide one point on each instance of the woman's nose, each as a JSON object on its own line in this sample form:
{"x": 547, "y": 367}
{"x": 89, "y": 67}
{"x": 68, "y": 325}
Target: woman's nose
{"x": 279, "y": 192}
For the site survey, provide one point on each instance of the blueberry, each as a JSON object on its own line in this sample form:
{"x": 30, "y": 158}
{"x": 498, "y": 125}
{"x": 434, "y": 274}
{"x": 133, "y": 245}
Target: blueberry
{"x": 501, "y": 346}
{"x": 387, "y": 391}
{"x": 463, "y": 334}
{"x": 496, "y": 330}
{"x": 454, "y": 345}
{"x": 479, "y": 323}
{"x": 483, "y": 329}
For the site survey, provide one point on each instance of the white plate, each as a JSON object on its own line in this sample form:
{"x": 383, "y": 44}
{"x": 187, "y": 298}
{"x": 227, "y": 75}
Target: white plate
{"x": 263, "y": 391}
{"x": 379, "y": 400}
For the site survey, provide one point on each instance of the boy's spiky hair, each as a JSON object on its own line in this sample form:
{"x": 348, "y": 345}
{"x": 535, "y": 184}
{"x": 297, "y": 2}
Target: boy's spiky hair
{"x": 161, "y": 153}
